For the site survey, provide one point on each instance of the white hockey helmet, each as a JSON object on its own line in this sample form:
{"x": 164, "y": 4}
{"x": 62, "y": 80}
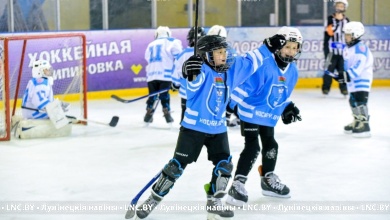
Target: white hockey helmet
{"x": 345, "y": 2}
{"x": 355, "y": 29}
{"x": 293, "y": 35}
{"x": 217, "y": 30}
{"x": 42, "y": 69}
{"x": 162, "y": 31}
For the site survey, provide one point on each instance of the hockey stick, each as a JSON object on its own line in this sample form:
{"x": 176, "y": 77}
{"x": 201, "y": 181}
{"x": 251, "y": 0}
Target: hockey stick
{"x": 131, "y": 210}
{"x": 136, "y": 99}
{"x": 74, "y": 120}
{"x": 196, "y": 31}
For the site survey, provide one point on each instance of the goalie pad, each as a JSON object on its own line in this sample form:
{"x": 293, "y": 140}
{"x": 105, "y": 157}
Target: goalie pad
{"x": 56, "y": 114}
{"x": 40, "y": 128}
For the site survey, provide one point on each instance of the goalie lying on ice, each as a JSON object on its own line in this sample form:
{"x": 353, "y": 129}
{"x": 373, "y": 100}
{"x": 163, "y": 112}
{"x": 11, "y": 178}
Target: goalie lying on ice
{"x": 43, "y": 116}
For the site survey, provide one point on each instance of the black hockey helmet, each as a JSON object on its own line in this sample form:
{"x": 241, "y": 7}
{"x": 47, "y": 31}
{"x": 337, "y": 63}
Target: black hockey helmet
{"x": 207, "y": 44}
{"x": 191, "y": 35}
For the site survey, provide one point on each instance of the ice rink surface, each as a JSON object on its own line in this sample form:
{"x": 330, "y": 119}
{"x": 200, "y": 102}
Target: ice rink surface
{"x": 104, "y": 168}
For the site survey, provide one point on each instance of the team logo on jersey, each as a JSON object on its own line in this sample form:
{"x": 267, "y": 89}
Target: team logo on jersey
{"x": 218, "y": 81}
{"x": 282, "y": 79}
{"x": 215, "y": 99}
{"x": 277, "y": 96}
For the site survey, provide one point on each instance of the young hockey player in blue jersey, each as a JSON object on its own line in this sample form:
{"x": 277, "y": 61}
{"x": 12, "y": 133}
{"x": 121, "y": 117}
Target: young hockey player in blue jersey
{"x": 178, "y": 81}
{"x": 358, "y": 65}
{"x": 261, "y": 100}
{"x": 211, "y": 76}
{"x": 221, "y": 31}
{"x": 160, "y": 55}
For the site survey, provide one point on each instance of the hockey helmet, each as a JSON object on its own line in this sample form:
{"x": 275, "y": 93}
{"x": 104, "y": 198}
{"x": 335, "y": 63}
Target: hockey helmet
{"x": 355, "y": 29}
{"x": 293, "y": 35}
{"x": 42, "y": 69}
{"x": 209, "y": 43}
{"x": 345, "y": 2}
{"x": 191, "y": 35}
{"x": 162, "y": 31}
{"x": 217, "y": 30}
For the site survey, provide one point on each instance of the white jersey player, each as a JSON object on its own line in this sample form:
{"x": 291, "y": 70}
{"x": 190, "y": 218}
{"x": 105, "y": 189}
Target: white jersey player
{"x": 358, "y": 66}
{"x": 160, "y": 55}
{"x": 38, "y": 103}
{"x": 39, "y": 91}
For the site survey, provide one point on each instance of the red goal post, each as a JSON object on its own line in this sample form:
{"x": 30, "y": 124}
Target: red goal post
{"x": 66, "y": 52}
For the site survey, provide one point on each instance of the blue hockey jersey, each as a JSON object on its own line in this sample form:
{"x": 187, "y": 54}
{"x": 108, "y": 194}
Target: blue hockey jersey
{"x": 209, "y": 93}
{"x": 263, "y": 97}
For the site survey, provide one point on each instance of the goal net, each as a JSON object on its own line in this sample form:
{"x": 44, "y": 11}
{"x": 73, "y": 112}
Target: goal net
{"x": 67, "y": 55}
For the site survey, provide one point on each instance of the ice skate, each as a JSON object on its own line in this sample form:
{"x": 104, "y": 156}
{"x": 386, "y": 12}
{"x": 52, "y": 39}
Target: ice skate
{"x": 167, "y": 115}
{"x": 325, "y": 92}
{"x": 348, "y": 128}
{"x": 237, "y": 195}
{"x": 362, "y": 129}
{"x": 216, "y": 210}
{"x": 271, "y": 185}
{"x": 147, "y": 207}
{"x": 149, "y": 115}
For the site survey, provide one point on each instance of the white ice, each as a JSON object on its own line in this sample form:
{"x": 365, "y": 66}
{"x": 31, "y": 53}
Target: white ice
{"x": 103, "y": 165}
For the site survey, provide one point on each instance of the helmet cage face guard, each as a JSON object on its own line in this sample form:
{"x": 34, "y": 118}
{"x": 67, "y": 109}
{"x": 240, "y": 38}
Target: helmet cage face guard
{"x": 42, "y": 69}
{"x": 229, "y": 61}
{"x": 353, "y": 39}
{"x": 356, "y": 30}
{"x": 290, "y": 59}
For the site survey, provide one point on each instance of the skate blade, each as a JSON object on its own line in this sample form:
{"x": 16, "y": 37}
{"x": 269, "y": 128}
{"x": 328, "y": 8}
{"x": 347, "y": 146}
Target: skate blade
{"x": 130, "y": 214}
{"x": 234, "y": 202}
{"x": 272, "y": 194}
{"x": 211, "y": 216}
{"x": 362, "y": 135}
{"x": 347, "y": 132}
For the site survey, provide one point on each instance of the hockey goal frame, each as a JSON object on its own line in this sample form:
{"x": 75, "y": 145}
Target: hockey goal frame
{"x": 5, "y": 74}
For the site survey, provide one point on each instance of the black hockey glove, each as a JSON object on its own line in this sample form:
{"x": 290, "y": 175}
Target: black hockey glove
{"x": 344, "y": 78}
{"x": 229, "y": 110}
{"x": 341, "y": 78}
{"x": 291, "y": 114}
{"x": 191, "y": 68}
{"x": 275, "y": 42}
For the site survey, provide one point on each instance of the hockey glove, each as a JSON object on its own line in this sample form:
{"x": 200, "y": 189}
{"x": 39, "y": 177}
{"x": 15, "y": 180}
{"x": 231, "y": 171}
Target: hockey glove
{"x": 291, "y": 114}
{"x": 275, "y": 42}
{"x": 344, "y": 78}
{"x": 191, "y": 67}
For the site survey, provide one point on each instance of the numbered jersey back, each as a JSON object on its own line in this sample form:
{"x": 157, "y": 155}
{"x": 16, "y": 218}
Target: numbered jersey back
{"x": 160, "y": 55}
